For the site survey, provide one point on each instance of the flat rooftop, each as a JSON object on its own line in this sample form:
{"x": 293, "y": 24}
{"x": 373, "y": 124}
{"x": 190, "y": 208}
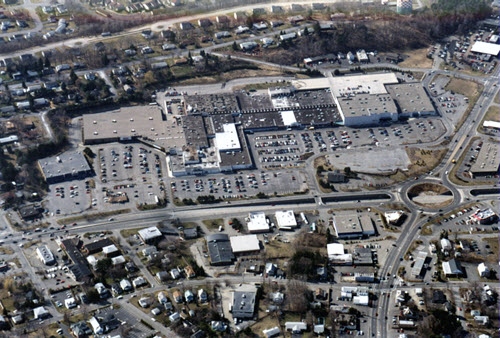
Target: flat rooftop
{"x": 411, "y": 98}
{"x": 124, "y": 123}
{"x": 65, "y": 164}
{"x": 367, "y": 104}
{"x": 211, "y": 103}
{"x": 487, "y": 161}
{"x": 347, "y": 225}
{"x": 242, "y": 244}
{"x": 485, "y": 48}
{"x": 370, "y": 83}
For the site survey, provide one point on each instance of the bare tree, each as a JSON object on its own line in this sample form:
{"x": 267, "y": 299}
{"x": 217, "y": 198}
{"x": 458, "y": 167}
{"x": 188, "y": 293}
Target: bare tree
{"x": 300, "y": 300}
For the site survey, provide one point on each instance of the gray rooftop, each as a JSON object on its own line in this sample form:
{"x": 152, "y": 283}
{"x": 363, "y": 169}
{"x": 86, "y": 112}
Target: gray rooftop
{"x": 219, "y": 248}
{"x": 64, "y": 165}
{"x": 210, "y": 103}
{"x": 487, "y": 161}
{"x": 366, "y": 104}
{"x": 411, "y": 98}
{"x": 243, "y": 304}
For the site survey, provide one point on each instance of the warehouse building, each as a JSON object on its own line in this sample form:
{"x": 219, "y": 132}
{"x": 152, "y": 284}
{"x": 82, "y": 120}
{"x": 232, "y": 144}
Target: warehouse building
{"x": 353, "y": 226}
{"x": 65, "y": 167}
{"x": 219, "y": 249}
{"x": 248, "y": 244}
{"x": 487, "y": 161}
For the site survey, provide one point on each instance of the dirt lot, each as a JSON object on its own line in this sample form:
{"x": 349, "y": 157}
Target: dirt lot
{"x": 418, "y": 59}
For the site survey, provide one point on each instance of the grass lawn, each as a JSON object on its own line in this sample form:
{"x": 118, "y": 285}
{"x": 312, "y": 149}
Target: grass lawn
{"x": 214, "y": 224}
{"x": 92, "y": 217}
{"x": 464, "y": 87}
{"x": 266, "y": 321}
{"x": 493, "y": 114}
{"x": 129, "y": 232}
{"x": 276, "y": 249}
{"x": 493, "y": 243}
{"x": 497, "y": 98}
{"x": 5, "y": 250}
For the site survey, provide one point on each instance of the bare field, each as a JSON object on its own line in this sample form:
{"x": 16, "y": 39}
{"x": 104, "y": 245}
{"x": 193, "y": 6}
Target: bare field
{"x": 493, "y": 114}
{"x": 422, "y": 160}
{"x": 236, "y": 74}
{"x": 497, "y": 98}
{"x": 467, "y": 88}
{"x": 418, "y": 59}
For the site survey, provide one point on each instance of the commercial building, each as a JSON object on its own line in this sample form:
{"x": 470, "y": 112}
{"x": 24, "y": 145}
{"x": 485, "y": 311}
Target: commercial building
{"x": 285, "y": 220}
{"x": 125, "y": 124}
{"x": 337, "y": 256}
{"x": 487, "y": 162}
{"x": 150, "y": 235}
{"x": 244, "y": 244}
{"x": 416, "y": 271}
{"x": 80, "y": 271}
{"x": 411, "y": 99}
{"x": 481, "y": 47}
{"x": 257, "y": 222}
{"x": 485, "y": 216}
{"x": 393, "y": 217}
{"x": 353, "y": 226}
{"x": 45, "y": 255}
{"x": 242, "y": 305}
{"x": 65, "y": 167}
{"x": 219, "y": 249}
{"x": 367, "y": 109}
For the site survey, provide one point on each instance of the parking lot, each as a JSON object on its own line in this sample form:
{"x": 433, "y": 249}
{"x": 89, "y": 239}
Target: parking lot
{"x": 238, "y": 186}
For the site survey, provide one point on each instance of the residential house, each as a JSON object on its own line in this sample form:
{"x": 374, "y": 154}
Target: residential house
{"x": 202, "y": 296}
{"x": 189, "y": 271}
{"x": 139, "y": 281}
{"x": 452, "y": 268}
{"x": 204, "y": 23}
{"x": 175, "y": 273}
{"x": 483, "y": 270}
{"x": 177, "y": 295}
{"x": 188, "y": 295}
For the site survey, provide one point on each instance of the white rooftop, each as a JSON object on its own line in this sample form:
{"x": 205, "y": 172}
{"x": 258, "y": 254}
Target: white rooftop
{"x": 335, "y": 249}
{"x": 257, "y": 222}
{"x": 109, "y": 249}
{"x": 149, "y": 233}
{"x": 288, "y": 118}
{"x": 228, "y": 140}
{"x": 485, "y": 48}
{"x": 285, "y": 219}
{"x": 372, "y": 83}
{"x": 245, "y": 243}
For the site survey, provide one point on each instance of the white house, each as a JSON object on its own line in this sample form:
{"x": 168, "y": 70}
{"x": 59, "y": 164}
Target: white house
{"x": 483, "y": 270}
